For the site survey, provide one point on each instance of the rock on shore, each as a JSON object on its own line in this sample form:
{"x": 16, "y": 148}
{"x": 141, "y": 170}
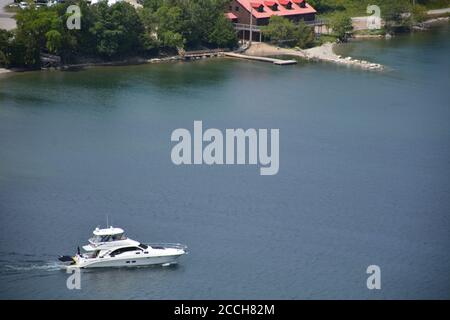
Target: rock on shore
{"x": 322, "y": 53}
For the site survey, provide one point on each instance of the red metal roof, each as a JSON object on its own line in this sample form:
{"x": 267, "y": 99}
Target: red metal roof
{"x": 230, "y": 15}
{"x": 282, "y": 11}
{"x": 255, "y": 5}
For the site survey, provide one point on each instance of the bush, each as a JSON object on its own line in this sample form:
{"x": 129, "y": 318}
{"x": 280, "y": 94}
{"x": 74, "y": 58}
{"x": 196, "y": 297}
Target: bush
{"x": 285, "y": 32}
{"x": 419, "y": 14}
{"x": 223, "y": 34}
{"x": 5, "y": 48}
{"x": 341, "y": 24}
{"x": 394, "y": 14}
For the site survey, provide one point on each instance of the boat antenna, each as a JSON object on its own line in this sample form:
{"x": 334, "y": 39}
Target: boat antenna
{"x": 107, "y": 222}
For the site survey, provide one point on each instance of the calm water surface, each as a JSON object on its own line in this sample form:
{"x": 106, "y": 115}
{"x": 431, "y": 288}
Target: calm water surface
{"x": 364, "y": 176}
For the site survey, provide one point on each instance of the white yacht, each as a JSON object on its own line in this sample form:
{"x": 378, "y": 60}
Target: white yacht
{"x": 110, "y": 248}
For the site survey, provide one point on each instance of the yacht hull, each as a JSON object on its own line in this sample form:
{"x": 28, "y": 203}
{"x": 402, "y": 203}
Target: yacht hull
{"x": 130, "y": 262}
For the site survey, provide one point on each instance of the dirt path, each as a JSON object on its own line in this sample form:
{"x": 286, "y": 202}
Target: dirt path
{"x": 6, "y": 18}
{"x": 438, "y": 11}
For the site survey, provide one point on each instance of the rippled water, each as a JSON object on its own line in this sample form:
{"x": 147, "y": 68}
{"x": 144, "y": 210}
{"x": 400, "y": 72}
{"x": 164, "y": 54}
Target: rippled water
{"x": 364, "y": 176}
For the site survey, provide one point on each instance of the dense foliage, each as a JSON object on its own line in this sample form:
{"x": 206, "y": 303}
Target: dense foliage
{"x": 283, "y": 31}
{"x": 341, "y": 24}
{"x": 116, "y": 31}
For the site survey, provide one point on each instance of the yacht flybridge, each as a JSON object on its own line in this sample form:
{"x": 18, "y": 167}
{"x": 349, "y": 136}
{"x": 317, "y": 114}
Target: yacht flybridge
{"x": 110, "y": 248}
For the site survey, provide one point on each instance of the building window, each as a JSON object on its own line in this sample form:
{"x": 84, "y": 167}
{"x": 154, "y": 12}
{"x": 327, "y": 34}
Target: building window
{"x": 236, "y": 8}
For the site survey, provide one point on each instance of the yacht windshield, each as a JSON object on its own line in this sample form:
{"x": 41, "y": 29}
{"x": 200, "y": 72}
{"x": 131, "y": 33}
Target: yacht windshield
{"x": 108, "y": 238}
{"x": 119, "y": 236}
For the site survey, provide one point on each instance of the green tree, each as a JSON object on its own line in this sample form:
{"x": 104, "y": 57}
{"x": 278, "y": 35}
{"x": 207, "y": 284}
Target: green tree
{"x": 341, "y": 24}
{"x": 54, "y": 41}
{"x": 170, "y": 18}
{"x": 223, "y": 34}
{"x": 152, "y": 5}
{"x": 149, "y": 38}
{"x": 170, "y": 26}
{"x": 203, "y": 17}
{"x": 30, "y": 36}
{"x": 394, "y": 14}
{"x": 172, "y": 39}
{"x": 197, "y": 21}
{"x": 279, "y": 30}
{"x": 5, "y": 47}
{"x": 283, "y": 31}
{"x": 80, "y": 42}
{"x": 304, "y": 35}
{"x": 117, "y": 29}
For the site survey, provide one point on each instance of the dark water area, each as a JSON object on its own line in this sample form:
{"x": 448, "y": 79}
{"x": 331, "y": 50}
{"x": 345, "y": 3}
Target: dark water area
{"x": 363, "y": 179}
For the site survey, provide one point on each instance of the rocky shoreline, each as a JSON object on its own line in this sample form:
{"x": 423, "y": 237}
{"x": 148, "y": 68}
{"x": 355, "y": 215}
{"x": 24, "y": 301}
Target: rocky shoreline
{"x": 322, "y": 53}
{"x": 326, "y": 53}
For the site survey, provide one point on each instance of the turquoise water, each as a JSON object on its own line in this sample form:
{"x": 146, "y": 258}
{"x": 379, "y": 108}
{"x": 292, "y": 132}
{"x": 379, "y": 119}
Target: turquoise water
{"x": 364, "y": 176}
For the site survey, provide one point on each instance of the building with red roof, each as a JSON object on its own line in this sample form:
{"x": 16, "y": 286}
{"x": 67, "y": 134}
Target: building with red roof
{"x": 262, "y": 10}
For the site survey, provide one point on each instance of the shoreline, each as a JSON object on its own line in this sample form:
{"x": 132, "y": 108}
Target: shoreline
{"x": 125, "y": 62}
{"x": 324, "y": 53}
{"x": 93, "y": 64}
{"x": 435, "y": 21}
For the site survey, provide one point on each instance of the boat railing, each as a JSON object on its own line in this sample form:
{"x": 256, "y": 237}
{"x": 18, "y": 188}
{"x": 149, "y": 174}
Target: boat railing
{"x": 165, "y": 245}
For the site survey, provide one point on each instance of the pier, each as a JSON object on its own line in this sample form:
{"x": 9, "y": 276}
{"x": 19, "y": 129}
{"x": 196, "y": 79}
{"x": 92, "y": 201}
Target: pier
{"x": 198, "y": 54}
{"x": 263, "y": 59}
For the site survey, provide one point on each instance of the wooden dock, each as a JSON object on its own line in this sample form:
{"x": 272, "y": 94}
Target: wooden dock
{"x": 264, "y": 59}
{"x": 197, "y": 54}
